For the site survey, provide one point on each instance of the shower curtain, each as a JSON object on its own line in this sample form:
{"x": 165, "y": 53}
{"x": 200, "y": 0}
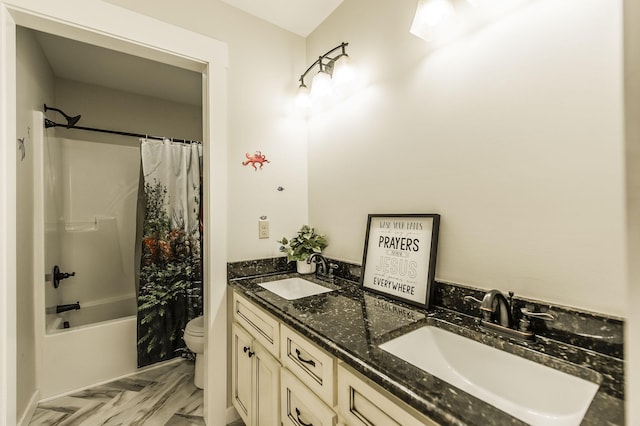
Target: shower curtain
{"x": 170, "y": 276}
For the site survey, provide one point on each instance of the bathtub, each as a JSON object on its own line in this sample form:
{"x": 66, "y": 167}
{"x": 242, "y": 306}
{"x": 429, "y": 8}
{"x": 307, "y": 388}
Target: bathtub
{"x": 94, "y": 312}
{"x": 99, "y": 346}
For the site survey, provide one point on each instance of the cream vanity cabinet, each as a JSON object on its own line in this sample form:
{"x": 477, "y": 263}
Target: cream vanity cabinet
{"x": 255, "y": 370}
{"x": 281, "y": 378}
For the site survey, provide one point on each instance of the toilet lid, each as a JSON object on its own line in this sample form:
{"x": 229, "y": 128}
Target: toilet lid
{"x": 195, "y": 327}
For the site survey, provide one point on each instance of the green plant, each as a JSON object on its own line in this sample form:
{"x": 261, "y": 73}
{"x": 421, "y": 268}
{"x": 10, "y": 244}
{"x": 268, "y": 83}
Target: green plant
{"x": 304, "y": 244}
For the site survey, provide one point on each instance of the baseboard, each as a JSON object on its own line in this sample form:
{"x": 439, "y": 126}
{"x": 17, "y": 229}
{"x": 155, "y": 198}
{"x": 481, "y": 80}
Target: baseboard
{"x": 31, "y": 408}
{"x": 232, "y": 415}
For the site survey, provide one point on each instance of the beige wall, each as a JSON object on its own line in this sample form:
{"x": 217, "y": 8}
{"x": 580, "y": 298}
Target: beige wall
{"x": 264, "y": 64}
{"x": 513, "y": 134}
{"x": 35, "y": 87}
{"x": 632, "y": 114}
{"x": 107, "y": 108}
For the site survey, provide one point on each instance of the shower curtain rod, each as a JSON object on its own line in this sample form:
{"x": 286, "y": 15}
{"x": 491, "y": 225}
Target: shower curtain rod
{"x": 48, "y": 123}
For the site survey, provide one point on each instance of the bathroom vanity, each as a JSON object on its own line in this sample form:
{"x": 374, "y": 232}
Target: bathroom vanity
{"x": 279, "y": 375}
{"x": 321, "y": 360}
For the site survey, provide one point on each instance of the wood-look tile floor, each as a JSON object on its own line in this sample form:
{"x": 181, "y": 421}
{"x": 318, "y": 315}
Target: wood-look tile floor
{"x": 159, "y": 396}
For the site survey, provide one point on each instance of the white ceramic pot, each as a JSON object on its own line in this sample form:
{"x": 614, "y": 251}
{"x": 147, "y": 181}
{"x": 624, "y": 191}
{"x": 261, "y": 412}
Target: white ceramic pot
{"x": 305, "y": 268}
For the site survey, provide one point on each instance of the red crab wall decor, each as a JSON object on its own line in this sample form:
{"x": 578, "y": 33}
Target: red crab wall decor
{"x": 257, "y": 158}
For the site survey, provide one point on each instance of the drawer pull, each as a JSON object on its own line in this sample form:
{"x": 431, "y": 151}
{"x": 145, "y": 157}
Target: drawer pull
{"x": 248, "y": 349}
{"x": 306, "y": 361}
{"x": 299, "y": 420}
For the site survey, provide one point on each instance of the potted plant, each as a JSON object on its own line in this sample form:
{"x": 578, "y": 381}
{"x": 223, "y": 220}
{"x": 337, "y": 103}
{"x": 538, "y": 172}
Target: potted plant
{"x": 303, "y": 245}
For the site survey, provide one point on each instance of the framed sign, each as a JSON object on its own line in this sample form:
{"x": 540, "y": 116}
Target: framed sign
{"x": 400, "y": 256}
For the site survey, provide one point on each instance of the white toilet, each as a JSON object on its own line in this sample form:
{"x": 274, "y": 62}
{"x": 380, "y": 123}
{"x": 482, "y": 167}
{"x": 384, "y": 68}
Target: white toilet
{"x": 194, "y": 338}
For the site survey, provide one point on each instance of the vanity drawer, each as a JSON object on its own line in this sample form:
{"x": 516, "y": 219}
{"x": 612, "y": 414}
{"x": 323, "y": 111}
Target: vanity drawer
{"x": 300, "y": 406}
{"x": 360, "y": 403}
{"x": 263, "y": 327}
{"x": 314, "y": 367}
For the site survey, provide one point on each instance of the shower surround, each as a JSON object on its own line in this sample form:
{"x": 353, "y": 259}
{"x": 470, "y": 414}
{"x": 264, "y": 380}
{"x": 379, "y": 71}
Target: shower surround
{"x": 91, "y": 204}
{"x": 85, "y": 205}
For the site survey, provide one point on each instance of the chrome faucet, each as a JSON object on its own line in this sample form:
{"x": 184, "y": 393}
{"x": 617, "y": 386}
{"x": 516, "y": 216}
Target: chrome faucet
{"x": 320, "y": 260}
{"x": 498, "y": 314}
{"x": 325, "y": 268}
{"x": 496, "y": 308}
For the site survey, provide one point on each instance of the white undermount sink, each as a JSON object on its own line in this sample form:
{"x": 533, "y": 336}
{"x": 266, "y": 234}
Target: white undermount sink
{"x": 529, "y": 391}
{"x": 294, "y": 288}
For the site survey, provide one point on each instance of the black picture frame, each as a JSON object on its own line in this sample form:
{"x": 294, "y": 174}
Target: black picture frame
{"x": 399, "y": 258}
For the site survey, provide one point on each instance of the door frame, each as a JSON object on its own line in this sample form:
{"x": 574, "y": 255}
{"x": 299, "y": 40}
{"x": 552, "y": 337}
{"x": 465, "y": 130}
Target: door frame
{"x": 105, "y": 25}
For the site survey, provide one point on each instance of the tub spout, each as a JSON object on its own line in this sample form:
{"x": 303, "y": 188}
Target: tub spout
{"x": 69, "y": 307}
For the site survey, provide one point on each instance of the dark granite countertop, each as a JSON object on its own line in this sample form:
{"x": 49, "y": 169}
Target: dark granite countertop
{"x": 350, "y": 323}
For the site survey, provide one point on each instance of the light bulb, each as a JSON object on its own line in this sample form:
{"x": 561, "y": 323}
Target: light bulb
{"x": 303, "y": 101}
{"x": 436, "y": 11}
{"x": 320, "y": 85}
{"x": 343, "y": 72}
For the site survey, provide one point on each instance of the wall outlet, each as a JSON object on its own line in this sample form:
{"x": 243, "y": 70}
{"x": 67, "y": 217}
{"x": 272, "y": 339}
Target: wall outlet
{"x": 263, "y": 229}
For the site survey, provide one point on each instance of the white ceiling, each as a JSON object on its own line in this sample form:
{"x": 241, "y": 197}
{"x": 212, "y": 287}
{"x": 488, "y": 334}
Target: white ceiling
{"x": 298, "y": 16}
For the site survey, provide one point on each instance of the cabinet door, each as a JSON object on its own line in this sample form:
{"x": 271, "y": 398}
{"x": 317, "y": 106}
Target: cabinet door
{"x": 363, "y": 404}
{"x": 241, "y": 354}
{"x": 314, "y": 367}
{"x": 262, "y": 326}
{"x": 301, "y": 407}
{"x": 266, "y": 378}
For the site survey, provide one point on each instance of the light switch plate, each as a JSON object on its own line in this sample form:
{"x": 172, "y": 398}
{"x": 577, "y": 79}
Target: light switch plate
{"x": 263, "y": 229}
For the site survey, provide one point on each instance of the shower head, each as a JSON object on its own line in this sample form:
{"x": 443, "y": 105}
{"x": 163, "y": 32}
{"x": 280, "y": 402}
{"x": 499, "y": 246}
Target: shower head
{"x": 71, "y": 121}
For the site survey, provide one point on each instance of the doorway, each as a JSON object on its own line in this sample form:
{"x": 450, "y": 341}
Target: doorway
{"x": 107, "y": 26}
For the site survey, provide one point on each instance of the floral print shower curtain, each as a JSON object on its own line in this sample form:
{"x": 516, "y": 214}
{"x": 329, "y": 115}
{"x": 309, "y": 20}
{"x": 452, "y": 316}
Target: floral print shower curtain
{"x": 170, "y": 285}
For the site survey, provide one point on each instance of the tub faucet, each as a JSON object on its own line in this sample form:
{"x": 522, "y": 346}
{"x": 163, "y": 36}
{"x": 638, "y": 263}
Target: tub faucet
{"x": 69, "y": 307}
{"x": 58, "y": 276}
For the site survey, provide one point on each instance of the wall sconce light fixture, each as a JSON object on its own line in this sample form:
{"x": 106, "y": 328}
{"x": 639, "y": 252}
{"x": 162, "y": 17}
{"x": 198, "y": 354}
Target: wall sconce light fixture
{"x": 335, "y": 72}
{"x": 440, "y": 21}
{"x": 431, "y": 14}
